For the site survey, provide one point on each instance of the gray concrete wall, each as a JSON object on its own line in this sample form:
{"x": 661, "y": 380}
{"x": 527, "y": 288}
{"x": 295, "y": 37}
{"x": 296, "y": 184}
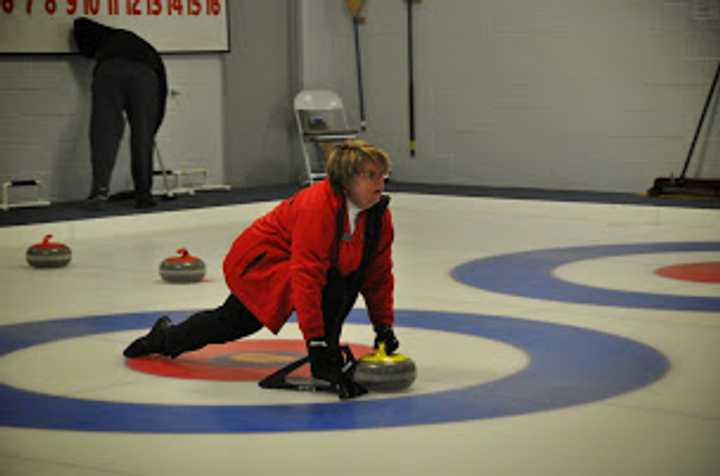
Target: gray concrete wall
{"x": 594, "y": 95}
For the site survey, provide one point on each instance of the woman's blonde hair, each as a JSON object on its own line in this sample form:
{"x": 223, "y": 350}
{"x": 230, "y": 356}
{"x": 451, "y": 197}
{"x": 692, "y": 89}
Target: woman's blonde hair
{"x": 345, "y": 160}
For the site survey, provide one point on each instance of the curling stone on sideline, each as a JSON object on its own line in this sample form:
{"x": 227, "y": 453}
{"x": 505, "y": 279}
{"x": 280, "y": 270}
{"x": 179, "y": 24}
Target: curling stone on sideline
{"x": 381, "y": 372}
{"x": 48, "y": 255}
{"x": 184, "y": 268}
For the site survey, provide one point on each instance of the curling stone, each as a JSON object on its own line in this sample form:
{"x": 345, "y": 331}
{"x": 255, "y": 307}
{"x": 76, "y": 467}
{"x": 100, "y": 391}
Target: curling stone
{"x": 184, "y": 268}
{"x": 48, "y": 255}
{"x": 381, "y": 372}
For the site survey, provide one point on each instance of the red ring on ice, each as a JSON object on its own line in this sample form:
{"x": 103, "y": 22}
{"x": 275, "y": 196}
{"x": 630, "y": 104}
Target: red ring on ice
{"x": 707, "y": 272}
{"x": 242, "y": 360}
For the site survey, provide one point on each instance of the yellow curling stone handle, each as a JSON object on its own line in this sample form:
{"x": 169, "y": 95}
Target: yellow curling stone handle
{"x": 381, "y": 357}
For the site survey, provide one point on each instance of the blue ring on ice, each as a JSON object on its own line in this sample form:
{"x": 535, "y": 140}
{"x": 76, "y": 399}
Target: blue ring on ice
{"x": 530, "y": 274}
{"x": 567, "y": 366}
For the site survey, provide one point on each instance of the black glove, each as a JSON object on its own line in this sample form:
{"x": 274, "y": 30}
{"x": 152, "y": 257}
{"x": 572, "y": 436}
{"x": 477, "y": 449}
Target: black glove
{"x": 384, "y": 334}
{"x": 325, "y": 361}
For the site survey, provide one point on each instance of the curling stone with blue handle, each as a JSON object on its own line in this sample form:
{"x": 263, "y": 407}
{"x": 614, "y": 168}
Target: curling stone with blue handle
{"x": 184, "y": 268}
{"x": 48, "y": 255}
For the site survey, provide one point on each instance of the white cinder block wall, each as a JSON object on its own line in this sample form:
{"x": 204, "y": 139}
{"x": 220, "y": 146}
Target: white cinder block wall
{"x": 559, "y": 94}
{"x": 231, "y": 113}
{"x": 260, "y": 77}
{"x": 44, "y": 121}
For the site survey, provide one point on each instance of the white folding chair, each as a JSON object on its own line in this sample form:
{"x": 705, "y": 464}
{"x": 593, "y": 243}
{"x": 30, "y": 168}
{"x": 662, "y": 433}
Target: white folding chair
{"x": 321, "y": 119}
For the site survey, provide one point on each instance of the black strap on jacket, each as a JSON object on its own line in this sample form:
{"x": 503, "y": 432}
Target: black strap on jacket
{"x": 340, "y": 293}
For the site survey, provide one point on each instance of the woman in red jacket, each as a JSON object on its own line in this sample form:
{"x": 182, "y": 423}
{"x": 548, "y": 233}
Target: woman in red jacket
{"x": 313, "y": 253}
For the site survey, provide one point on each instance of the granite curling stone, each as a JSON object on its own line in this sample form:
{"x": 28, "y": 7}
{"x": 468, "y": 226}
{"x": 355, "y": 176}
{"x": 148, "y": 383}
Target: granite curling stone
{"x": 48, "y": 255}
{"x": 184, "y": 268}
{"x": 381, "y": 372}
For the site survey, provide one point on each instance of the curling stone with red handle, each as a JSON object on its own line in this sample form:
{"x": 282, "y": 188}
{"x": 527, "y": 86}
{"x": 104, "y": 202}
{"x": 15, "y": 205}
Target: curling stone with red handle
{"x": 47, "y": 254}
{"x": 184, "y": 268}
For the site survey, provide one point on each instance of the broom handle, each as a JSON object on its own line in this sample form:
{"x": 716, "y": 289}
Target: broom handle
{"x": 702, "y": 120}
{"x": 411, "y": 80}
{"x": 358, "y": 62}
{"x": 355, "y": 7}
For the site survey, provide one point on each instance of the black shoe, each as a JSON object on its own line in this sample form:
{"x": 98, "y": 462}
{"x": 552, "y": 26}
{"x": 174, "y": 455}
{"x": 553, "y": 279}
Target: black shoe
{"x": 152, "y": 343}
{"x": 145, "y": 202}
{"x": 99, "y": 193}
{"x": 96, "y": 200}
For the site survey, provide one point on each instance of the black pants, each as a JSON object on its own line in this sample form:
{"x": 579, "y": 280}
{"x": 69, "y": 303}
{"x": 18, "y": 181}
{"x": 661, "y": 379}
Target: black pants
{"x": 124, "y": 86}
{"x": 228, "y": 322}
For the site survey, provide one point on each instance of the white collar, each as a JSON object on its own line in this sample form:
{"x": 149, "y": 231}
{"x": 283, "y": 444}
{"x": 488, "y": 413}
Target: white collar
{"x": 353, "y": 212}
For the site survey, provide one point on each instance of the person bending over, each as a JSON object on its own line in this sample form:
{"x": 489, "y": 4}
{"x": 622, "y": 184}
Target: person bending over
{"x": 129, "y": 77}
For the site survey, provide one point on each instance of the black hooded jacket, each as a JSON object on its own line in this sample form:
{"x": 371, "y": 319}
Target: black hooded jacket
{"x": 101, "y": 42}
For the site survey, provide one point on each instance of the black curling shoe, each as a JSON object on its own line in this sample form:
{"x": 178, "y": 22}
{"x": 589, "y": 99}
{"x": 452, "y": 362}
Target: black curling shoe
{"x": 145, "y": 201}
{"x": 152, "y": 343}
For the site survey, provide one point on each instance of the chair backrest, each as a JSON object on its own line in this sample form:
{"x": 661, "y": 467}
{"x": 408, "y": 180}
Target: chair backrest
{"x": 320, "y": 110}
{"x": 321, "y": 121}
{"x": 318, "y": 100}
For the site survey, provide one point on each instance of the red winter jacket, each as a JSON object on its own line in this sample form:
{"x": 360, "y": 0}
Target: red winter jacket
{"x": 279, "y": 263}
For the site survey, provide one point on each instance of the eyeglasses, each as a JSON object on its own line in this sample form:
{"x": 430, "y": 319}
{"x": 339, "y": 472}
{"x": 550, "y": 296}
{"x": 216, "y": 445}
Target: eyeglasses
{"x": 371, "y": 175}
